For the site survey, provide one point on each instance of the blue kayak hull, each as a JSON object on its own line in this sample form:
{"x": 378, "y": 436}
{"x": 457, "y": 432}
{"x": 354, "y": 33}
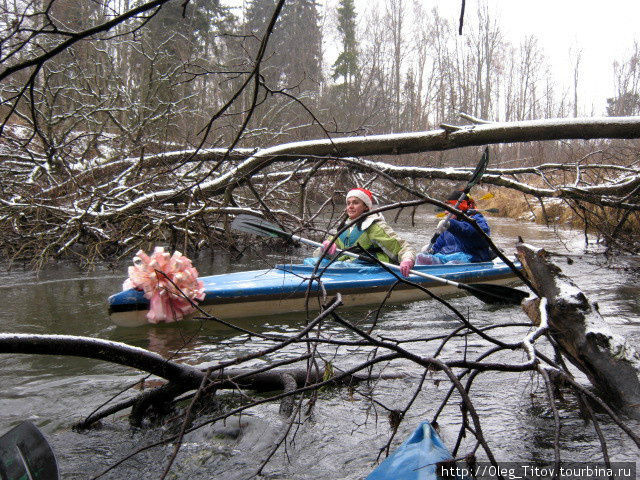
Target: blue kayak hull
{"x": 293, "y": 288}
{"x": 422, "y": 456}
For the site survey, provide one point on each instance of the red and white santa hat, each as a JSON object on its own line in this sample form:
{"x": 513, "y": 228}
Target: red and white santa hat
{"x": 363, "y": 194}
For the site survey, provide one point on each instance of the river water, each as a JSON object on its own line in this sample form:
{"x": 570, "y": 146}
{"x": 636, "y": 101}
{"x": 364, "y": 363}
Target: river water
{"x": 342, "y": 436}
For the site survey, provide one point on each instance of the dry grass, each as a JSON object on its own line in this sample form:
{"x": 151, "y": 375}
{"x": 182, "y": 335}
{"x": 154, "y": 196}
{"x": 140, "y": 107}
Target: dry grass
{"x": 602, "y": 221}
{"x": 508, "y": 203}
{"x": 520, "y": 206}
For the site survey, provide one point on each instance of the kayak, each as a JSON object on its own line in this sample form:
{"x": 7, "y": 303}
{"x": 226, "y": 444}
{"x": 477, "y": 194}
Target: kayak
{"x": 284, "y": 288}
{"x": 422, "y": 456}
{"x": 289, "y": 288}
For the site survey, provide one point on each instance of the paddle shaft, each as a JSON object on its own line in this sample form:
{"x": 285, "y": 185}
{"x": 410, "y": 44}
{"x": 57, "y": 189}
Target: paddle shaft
{"x": 449, "y": 214}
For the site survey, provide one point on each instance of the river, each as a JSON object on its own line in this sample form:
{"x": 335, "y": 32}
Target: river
{"x": 341, "y": 438}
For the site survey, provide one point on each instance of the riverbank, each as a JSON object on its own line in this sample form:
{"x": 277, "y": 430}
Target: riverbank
{"x": 519, "y": 206}
{"x": 616, "y": 230}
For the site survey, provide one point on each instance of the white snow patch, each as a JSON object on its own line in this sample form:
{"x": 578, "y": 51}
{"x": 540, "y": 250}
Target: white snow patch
{"x": 571, "y": 294}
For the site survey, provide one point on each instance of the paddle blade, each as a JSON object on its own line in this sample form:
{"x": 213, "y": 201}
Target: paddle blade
{"x": 486, "y": 196}
{"x": 257, "y": 226}
{"x": 479, "y": 171}
{"x": 25, "y": 453}
{"x": 495, "y": 294}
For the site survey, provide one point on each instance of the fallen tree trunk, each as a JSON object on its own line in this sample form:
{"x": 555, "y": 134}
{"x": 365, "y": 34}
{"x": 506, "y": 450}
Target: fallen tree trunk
{"x": 611, "y": 364}
{"x": 397, "y": 144}
{"x": 180, "y": 378}
{"x": 114, "y": 352}
{"x": 185, "y": 375}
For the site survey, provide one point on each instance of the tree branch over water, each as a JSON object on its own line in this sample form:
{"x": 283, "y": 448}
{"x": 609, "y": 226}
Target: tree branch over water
{"x": 69, "y": 214}
{"x": 373, "y": 361}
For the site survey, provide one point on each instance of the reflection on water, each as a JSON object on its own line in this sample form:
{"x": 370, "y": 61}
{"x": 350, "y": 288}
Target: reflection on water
{"x": 342, "y": 439}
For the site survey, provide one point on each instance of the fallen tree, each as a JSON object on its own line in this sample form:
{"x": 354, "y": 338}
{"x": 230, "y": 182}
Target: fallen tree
{"x": 576, "y": 326}
{"x": 103, "y": 208}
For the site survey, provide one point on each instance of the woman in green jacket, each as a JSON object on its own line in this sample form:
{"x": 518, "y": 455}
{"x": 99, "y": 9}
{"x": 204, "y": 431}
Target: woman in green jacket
{"x": 371, "y": 234}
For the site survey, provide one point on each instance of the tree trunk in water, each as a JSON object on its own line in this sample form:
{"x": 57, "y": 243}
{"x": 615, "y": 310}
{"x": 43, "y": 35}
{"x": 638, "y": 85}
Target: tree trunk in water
{"x": 611, "y": 364}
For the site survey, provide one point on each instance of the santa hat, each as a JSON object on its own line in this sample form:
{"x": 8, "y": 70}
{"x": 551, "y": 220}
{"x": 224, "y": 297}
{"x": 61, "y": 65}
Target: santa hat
{"x": 363, "y": 194}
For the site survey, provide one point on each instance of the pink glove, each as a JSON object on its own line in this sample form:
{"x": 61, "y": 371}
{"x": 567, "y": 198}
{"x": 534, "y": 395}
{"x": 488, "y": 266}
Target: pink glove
{"x": 329, "y": 249}
{"x": 405, "y": 266}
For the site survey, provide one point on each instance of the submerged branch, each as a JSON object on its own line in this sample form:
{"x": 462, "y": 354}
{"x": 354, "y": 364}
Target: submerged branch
{"x": 114, "y": 352}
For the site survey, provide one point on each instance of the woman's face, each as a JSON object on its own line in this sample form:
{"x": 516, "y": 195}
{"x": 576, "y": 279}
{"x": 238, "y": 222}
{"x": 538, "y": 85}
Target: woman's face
{"x": 355, "y": 207}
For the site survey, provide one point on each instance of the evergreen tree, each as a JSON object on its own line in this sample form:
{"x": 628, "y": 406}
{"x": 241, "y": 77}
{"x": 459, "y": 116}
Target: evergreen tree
{"x": 346, "y": 65}
{"x": 626, "y": 104}
{"x": 293, "y": 58}
{"x": 168, "y": 84}
{"x": 292, "y": 64}
{"x": 303, "y": 49}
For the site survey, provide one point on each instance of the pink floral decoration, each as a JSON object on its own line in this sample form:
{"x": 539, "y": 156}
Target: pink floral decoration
{"x": 166, "y": 280}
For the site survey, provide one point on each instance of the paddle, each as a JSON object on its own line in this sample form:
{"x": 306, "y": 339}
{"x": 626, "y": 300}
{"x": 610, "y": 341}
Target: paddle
{"x": 26, "y": 454}
{"x": 475, "y": 178}
{"x": 488, "y": 293}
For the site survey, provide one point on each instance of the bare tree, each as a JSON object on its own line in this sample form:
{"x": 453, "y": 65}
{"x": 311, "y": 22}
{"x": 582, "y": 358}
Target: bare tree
{"x": 576, "y": 77}
{"x": 627, "y": 86}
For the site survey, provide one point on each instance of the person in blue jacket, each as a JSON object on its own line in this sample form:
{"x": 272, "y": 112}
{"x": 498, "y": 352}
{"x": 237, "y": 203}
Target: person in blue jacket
{"x": 458, "y": 240}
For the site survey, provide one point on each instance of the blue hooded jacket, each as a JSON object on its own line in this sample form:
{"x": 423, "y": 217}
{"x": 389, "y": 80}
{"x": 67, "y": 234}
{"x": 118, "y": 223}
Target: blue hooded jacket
{"x": 462, "y": 237}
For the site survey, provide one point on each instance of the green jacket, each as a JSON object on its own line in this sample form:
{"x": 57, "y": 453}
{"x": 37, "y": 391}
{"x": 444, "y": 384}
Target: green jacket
{"x": 374, "y": 235}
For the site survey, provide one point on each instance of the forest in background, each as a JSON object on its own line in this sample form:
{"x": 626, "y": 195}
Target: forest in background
{"x": 111, "y": 104}
{"x": 153, "y": 81}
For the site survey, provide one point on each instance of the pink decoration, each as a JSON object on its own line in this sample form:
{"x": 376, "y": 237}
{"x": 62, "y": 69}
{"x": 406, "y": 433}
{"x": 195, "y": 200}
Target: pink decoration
{"x": 166, "y": 280}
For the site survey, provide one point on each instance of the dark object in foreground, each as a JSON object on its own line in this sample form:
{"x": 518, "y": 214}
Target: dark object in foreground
{"x": 26, "y": 454}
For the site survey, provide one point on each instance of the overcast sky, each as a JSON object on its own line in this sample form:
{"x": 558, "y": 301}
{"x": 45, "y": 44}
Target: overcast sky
{"x": 604, "y": 30}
